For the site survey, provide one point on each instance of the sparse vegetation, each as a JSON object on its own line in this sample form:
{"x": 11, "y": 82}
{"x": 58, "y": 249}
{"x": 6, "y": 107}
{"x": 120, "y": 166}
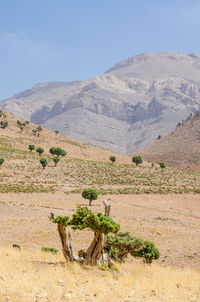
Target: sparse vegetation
{"x": 40, "y": 150}
{"x": 90, "y": 194}
{"x": 1, "y": 161}
{"x": 112, "y": 159}
{"x": 49, "y": 249}
{"x": 137, "y": 160}
{"x": 162, "y": 165}
{"x": 56, "y": 159}
{"x": 43, "y": 162}
{"x": 31, "y": 147}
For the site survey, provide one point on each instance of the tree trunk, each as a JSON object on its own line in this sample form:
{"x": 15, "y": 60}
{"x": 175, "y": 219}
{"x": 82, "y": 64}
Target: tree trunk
{"x": 66, "y": 244}
{"x": 90, "y": 202}
{"x": 95, "y": 251}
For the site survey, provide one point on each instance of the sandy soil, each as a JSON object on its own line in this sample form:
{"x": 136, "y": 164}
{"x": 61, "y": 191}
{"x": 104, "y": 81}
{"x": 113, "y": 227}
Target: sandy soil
{"x": 170, "y": 221}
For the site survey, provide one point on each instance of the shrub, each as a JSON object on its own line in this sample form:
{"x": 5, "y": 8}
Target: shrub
{"x": 56, "y": 159}
{"x": 31, "y": 147}
{"x": 162, "y": 165}
{"x": 43, "y": 162}
{"x": 40, "y": 150}
{"x": 4, "y": 124}
{"x": 49, "y": 249}
{"x": 1, "y": 161}
{"x": 112, "y": 159}
{"x": 57, "y": 151}
{"x": 120, "y": 245}
{"x": 137, "y": 159}
{"x": 90, "y": 194}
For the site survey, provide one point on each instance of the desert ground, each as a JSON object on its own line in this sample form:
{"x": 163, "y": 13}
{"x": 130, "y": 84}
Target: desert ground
{"x": 162, "y": 206}
{"x": 170, "y": 221}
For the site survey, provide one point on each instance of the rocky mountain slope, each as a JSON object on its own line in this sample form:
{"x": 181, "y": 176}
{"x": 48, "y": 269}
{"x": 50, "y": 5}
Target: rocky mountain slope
{"x": 124, "y": 109}
{"x": 180, "y": 148}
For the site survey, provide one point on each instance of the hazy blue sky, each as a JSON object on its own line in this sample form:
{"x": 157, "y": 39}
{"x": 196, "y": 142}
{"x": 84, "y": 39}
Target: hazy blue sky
{"x": 65, "y": 40}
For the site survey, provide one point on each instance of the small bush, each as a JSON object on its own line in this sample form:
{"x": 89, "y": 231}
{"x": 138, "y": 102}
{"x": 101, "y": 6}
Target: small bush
{"x": 49, "y": 249}
{"x": 90, "y": 194}
{"x": 137, "y": 159}
{"x": 43, "y": 162}
{"x": 40, "y": 150}
{"x": 112, "y": 159}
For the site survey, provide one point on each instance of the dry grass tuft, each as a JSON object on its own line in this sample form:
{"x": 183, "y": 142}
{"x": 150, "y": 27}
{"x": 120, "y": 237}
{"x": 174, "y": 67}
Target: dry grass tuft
{"x": 37, "y": 276}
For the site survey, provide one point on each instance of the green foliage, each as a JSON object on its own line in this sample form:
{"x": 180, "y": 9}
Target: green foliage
{"x": 84, "y": 218}
{"x": 39, "y": 128}
{"x": 43, "y": 162}
{"x": 49, "y": 249}
{"x": 3, "y": 124}
{"x": 120, "y": 245}
{"x": 162, "y": 165}
{"x": 56, "y": 132}
{"x": 56, "y": 159}
{"x": 90, "y": 194}
{"x": 103, "y": 267}
{"x": 40, "y": 150}
{"x": 137, "y": 159}
{"x": 31, "y": 147}
{"x": 1, "y": 161}
{"x": 64, "y": 153}
{"x": 148, "y": 252}
{"x": 112, "y": 159}
{"x": 114, "y": 268}
{"x": 57, "y": 151}
{"x": 62, "y": 220}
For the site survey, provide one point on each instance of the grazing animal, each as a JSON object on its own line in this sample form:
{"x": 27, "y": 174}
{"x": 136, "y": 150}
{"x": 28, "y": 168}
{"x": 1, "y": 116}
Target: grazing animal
{"x": 16, "y": 246}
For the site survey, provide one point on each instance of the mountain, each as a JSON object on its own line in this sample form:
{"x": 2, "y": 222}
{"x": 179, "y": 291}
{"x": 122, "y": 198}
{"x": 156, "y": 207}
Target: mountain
{"x": 124, "y": 109}
{"x": 178, "y": 149}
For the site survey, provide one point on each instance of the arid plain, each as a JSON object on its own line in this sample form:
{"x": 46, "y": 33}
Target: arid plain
{"x": 160, "y": 206}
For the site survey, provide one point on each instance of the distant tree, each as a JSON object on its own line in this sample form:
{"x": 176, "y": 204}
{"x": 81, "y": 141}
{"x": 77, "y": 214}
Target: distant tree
{"x": 162, "y": 165}
{"x": 31, "y": 147}
{"x": 56, "y": 132}
{"x": 40, "y": 150}
{"x": 57, "y": 151}
{"x": 4, "y": 124}
{"x": 1, "y": 161}
{"x": 43, "y": 162}
{"x": 112, "y": 159}
{"x": 64, "y": 153}
{"x": 39, "y": 128}
{"x": 159, "y": 137}
{"x": 90, "y": 194}
{"x": 137, "y": 159}
{"x": 56, "y": 159}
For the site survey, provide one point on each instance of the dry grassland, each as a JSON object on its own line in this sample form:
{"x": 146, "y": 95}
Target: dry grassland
{"x": 36, "y": 276}
{"x": 169, "y": 215}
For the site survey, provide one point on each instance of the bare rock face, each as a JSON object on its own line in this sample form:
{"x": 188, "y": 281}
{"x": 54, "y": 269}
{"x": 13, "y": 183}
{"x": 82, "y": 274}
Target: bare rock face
{"x": 124, "y": 109}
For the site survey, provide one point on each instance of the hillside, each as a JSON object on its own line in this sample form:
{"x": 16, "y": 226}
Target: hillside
{"x": 180, "y": 148}
{"x": 160, "y": 206}
{"x": 124, "y": 109}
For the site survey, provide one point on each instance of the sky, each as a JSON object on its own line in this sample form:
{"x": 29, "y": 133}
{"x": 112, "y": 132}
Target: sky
{"x": 67, "y": 40}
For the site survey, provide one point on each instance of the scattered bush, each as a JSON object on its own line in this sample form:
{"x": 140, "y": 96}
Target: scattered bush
{"x": 43, "y": 162}
{"x": 112, "y": 159}
{"x": 56, "y": 159}
{"x": 162, "y": 165}
{"x": 1, "y": 161}
{"x": 90, "y": 194}
{"x": 40, "y": 150}
{"x": 137, "y": 159}
{"x": 31, "y": 147}
{"x": 49, "y": 249}
{"x": 57, "y": 151}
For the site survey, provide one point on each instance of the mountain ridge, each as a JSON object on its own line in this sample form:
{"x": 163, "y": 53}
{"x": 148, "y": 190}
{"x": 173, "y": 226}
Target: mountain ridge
{"x": 124, "y": 109}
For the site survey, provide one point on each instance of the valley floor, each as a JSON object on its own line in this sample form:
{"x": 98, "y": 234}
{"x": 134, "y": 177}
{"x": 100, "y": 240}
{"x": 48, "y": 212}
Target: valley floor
{"x": 170, "y": 221}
